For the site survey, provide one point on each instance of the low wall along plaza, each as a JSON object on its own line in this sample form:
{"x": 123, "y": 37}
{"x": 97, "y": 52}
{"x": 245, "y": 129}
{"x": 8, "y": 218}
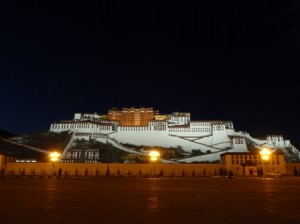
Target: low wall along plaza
{"x": 111, "y": 169}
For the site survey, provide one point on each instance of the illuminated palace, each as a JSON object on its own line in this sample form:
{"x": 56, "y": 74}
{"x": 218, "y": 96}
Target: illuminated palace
{"x": 146, "y": 127}
{"x": 132, "y": 116}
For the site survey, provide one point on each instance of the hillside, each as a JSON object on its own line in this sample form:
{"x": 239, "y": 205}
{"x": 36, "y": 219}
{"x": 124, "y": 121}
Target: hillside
{"x": 50, "y": 141}
{"x": 108, "y": 153}
{"x": 6, "y": 134}
{"x": 20, "y": 151}
{"x": 44, "y": 140}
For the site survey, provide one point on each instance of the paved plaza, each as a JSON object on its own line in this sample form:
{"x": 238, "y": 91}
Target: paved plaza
{"x": 146, "y": 200}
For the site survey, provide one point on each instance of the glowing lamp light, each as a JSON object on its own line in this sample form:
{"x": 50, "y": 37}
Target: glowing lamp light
{"x": 265, "y": 154}
{"x": 54, "y": 156}
{"x": 154, "y": 155}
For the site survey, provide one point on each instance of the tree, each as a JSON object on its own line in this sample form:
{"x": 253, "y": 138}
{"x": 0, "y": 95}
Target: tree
{"x": 196, "y": 152}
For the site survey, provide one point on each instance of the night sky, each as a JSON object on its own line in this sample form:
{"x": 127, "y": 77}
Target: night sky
{"x": 217, "y": 60}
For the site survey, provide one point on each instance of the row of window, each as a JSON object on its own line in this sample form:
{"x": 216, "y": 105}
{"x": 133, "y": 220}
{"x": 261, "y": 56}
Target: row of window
{"x": 275, "y": 138}
{"x": 218, "y": 127}
{"x": 257, "y": 162}
{"x": 156, "y": 127}
{"x": 80, "y": 125}
{"x": 200, "y": 124}
{"x": 239, "y": 141}
{"x": 74, "y": 161}
{"x": 189, "y": 129}
{"x": 179, "y": 119}
{"x": 252, "y": 157}
{"x": 160, "y": 127}
{"x": 143, "y": 128}
{"x": 87, "y": 155}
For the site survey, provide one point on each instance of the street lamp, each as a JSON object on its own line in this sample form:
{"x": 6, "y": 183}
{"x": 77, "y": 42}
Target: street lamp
{"x": 154, "y": 157}
{"x": 265, "y": 156}
{"x": 54, "y": 157}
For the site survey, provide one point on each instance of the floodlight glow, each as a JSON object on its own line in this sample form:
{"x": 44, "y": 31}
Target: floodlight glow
{"x": 154, "y": 155}
{"x": 265, "y": 154}
{"x": 54, "y": 156}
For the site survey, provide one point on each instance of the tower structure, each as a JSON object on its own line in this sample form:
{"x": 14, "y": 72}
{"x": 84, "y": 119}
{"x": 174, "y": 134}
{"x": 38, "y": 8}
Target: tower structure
{"x": 132, "y": 116}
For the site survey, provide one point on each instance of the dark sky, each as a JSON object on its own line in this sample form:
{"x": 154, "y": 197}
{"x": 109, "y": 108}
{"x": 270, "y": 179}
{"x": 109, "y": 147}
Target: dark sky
{"x": 217, "y": 60}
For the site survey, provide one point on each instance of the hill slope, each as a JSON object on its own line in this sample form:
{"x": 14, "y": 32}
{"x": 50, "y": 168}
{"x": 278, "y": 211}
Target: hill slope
{"x": 6, "y": 134}
{"x": 45, "y": 141}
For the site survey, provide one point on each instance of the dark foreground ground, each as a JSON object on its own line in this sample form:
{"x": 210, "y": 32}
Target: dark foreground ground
{"x": 142, "y": 200}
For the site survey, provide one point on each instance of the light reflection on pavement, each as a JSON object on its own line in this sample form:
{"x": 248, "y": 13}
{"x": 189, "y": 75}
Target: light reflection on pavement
{"x": 142, "y": 200}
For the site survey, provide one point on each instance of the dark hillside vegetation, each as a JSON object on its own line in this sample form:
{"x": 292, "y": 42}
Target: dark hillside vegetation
{"x": 49, "y": 141}
{"x": 6, "y": 134}
{"x": 21, "y": 152}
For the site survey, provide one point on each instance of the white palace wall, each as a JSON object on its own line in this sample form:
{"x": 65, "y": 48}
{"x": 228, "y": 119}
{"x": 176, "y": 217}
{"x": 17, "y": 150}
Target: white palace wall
{"x": 207, "y": 140}
{"x": 156, "y": 134}
{"x": 154, "y": 138}
{"x": 141, "y": 137}
{"x": 81, "y": 127}
{"x": 219, "y": 134}
{"x": 239, "y": 145}
{"x": 203, "y": 135}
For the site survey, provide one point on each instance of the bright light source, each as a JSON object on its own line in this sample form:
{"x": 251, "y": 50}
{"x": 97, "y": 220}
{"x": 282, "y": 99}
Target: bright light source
{"x": 265, "y": 154}
{"x": 54, "y": 156}
{"x": 154, "y": 155}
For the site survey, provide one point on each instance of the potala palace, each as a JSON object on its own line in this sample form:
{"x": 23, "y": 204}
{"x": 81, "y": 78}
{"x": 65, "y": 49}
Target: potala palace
{"x": 146, "y": 127}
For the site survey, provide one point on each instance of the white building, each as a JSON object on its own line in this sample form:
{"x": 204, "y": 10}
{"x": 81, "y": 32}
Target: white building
{"x": 177, "y": 130}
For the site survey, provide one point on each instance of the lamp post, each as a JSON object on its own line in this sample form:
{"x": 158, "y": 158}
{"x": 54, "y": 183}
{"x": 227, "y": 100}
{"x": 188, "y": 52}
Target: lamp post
{"x": 154, "y": 157}
{"x": 265, "y": 156}
{"x": 54, "y": 157}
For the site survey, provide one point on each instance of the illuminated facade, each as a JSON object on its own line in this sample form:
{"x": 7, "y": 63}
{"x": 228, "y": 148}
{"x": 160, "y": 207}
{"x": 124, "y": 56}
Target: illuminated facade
{"x": 146, "y": 127}
{"x": 132, "y": 116}
{"x": 252, "y": 164}
{"x": 6, "y": 158}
